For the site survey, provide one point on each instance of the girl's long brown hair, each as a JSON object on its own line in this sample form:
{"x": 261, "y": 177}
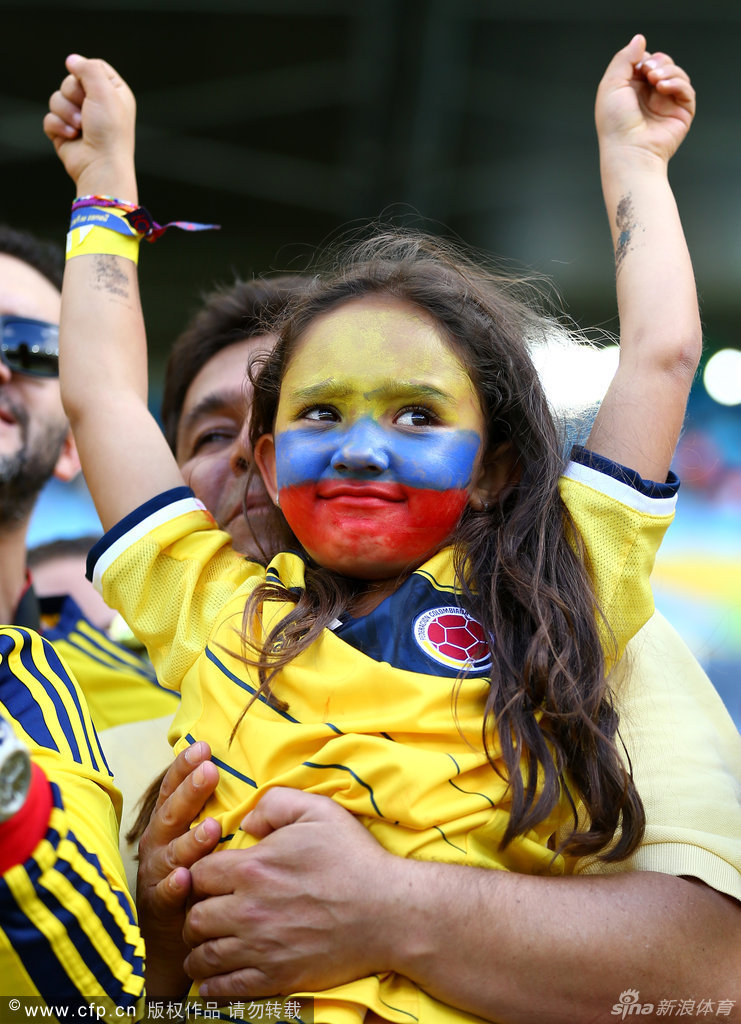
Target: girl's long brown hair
{"x": 520, "y": 564}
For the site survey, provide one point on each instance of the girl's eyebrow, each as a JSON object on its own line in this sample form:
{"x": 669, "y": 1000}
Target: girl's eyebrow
{"x": 329, "y": 389}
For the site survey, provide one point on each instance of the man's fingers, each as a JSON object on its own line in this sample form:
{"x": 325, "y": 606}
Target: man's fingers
{"x": 282, "y": 806}
{"x": 220, "y": 873}
{"x": 209, "y": 919}
{"x": 217, "y": 956}
{"x": 246, "y": 983}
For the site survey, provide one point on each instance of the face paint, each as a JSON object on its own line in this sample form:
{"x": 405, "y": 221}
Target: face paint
{"x": 377, "y": 439}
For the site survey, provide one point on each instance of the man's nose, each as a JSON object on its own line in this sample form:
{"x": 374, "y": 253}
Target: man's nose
{"x": 240, "y": 453}
{"x": 363, "y": 450}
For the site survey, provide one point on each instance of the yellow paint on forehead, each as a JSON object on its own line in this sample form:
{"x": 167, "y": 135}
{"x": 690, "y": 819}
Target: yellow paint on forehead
{"x": 361, "y": 348}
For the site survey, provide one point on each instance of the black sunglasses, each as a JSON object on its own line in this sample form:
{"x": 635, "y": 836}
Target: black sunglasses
{"x": 29, "y": 346}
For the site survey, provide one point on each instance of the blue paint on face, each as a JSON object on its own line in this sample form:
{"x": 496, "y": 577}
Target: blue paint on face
{"x": 439, "y": 459}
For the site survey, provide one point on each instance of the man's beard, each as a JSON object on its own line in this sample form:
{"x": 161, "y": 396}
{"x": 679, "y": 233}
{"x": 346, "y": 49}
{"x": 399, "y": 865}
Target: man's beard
{"x": 24, "y": 473}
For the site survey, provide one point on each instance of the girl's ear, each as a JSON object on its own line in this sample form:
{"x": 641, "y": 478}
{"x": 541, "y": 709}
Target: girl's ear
{"x": 264, "y": 456}
{"x": 68, "y": 463}
{"x": 498, "y": 473}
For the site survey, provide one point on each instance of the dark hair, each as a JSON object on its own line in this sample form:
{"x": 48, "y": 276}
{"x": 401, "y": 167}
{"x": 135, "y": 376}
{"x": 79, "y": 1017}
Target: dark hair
{"x": 521, "y": 565}
{"x": 229, "y": 314}
{"x": 60, "y": 548}
{"x": 46, "y": 257}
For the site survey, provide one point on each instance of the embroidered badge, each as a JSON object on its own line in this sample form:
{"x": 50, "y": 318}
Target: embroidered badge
{"x": 451, "y": 637}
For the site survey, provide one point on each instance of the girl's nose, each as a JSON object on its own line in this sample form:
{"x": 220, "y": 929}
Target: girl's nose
{"x": 362, "y": 451}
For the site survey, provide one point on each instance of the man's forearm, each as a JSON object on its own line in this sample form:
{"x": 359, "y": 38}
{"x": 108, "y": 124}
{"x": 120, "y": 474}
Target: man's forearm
{"x": 516, "y": 949}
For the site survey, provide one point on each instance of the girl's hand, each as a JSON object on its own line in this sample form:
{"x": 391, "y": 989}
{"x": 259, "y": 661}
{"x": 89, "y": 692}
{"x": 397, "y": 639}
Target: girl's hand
{"x": 168, "y": 849}
{"x": 644, "y": 102}
{"x": 91, "y": 123}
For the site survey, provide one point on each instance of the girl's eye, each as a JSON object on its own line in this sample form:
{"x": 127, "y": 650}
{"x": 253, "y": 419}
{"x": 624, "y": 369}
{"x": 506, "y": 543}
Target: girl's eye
{"x": 416, "y": 416}
{"x": 321, "y": 414}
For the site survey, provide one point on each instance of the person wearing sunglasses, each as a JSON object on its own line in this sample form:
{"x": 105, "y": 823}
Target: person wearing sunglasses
{"x": 29, "y": 347}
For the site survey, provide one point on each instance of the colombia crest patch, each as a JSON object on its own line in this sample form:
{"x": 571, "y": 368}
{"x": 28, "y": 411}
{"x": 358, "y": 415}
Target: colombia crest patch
{"x": 452, "y": 637}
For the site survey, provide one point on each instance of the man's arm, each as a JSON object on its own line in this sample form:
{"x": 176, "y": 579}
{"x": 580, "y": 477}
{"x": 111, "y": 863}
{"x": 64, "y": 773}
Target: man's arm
{"x": 318, "y": 902}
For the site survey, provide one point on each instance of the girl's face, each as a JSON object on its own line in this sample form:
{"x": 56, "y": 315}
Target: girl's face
{"x": 378, "y": 439}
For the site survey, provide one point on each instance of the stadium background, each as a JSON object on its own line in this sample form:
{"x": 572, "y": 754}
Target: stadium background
{"x": 286, "y": 120}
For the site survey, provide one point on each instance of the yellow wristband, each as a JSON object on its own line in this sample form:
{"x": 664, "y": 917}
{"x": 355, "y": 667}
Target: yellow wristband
{"x": 90, "y": 240}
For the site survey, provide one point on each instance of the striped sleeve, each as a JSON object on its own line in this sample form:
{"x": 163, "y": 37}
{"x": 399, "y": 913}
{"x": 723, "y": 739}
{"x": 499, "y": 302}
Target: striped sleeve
{"x": 41, "y": 696}
{"x": 68, "y": 930}
{"x": 66, "y": 934}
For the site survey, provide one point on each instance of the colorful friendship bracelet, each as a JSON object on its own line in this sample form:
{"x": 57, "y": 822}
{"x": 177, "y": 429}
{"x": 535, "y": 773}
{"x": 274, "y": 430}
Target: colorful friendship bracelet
{"x": 138, "y": 216}
{"x": 82, "y": 202}
{"x": 102, "y": 201}
{"x": 92, "y": 240}
{"x": 94, "y": 217}
{"x": 101, "y": 232}
{"x": 104, "y": 225}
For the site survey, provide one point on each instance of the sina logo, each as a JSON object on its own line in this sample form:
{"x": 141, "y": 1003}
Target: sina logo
{"x": 628, "y": 1004}
{"x": 451, "y": 637}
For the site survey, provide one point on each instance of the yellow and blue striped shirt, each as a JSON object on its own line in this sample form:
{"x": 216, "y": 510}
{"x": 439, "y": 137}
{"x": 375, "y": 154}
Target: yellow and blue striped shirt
{"x": 68, "y": 929}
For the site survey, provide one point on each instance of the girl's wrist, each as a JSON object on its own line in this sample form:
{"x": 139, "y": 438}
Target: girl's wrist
{"x": 110, "y": 178}
{"x": 636, "y": 161}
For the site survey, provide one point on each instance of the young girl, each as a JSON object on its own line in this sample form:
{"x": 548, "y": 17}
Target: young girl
{"x": 433, "y": 654}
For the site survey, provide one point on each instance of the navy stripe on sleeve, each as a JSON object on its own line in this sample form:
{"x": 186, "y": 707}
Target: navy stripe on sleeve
{"x": 650, "y": 488}
{"x": 121, "y": 528}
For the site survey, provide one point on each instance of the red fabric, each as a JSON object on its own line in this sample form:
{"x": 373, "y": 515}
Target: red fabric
{"x": 21, "y": 834}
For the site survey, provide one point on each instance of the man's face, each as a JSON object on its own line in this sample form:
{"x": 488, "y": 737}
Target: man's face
{"x": 33, "y": 426}
{"x": 212, "y": 448}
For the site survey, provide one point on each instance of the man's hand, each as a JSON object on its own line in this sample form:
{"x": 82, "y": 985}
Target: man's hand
{"x": 167, "y": 850}
{"x": 302, "y": 909}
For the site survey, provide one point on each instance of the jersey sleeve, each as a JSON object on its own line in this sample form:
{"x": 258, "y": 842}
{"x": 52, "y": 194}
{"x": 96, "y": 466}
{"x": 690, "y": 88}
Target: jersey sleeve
{"x": 685, "y": 752}
{"x": 170, "y": 572}
{"x": 621, "y": 520}
{"x": 68, "y": 930}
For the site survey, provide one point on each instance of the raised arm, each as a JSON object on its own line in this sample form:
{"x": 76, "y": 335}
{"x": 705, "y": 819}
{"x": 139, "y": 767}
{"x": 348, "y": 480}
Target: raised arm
{"x": 103, "y": 351}
{"x": 644, "y": 108}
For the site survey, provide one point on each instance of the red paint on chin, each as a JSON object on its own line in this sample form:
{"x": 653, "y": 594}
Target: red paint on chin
{"x": 367, "y": 536}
